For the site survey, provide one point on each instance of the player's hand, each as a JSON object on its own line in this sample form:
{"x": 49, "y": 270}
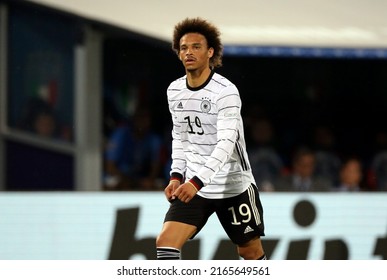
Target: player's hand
{"x": 185, "y": 192}
{"x": 170, "y": 189}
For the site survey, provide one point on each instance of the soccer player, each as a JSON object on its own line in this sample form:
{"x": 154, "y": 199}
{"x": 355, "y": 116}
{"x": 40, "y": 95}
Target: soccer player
{"x": 210, "y": 171}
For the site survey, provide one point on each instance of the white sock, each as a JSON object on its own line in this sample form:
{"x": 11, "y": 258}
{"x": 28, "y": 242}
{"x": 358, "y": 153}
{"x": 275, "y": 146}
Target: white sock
{"x": 168, "y": 253}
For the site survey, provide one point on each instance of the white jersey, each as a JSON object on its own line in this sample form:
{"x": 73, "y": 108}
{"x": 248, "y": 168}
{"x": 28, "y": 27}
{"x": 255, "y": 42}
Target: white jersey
{"x": 207, "y": 136}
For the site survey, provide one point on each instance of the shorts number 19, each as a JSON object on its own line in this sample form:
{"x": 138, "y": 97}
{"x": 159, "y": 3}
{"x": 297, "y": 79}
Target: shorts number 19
{"x": 244, "y": 211}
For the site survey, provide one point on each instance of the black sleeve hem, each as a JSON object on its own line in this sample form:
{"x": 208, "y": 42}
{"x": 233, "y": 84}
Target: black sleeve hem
{"x": 197, "y": 182}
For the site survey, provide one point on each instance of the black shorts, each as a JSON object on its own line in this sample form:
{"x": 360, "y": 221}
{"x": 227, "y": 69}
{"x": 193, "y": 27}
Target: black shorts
{"x": 241, "y": 216}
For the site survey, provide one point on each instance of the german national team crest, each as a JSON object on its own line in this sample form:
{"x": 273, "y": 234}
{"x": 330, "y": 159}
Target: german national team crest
{"x": 205, "y": 106}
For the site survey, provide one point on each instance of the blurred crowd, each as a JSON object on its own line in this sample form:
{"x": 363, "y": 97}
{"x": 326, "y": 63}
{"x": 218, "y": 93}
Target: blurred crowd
{"x": 316, "y": 166}
{"x": 136, "y": 157}
{"x": 40, "y": 118}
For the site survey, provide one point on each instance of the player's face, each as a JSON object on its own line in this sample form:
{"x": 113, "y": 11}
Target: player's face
{"x": 194, "y": 52}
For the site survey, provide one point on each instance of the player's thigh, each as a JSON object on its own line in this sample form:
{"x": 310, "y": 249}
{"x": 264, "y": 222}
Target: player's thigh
{"x": 174, "y": 234}
{"x": 242, "y": 216}
{"x": 184, "y": 220}
{"x": 196, "y": 212}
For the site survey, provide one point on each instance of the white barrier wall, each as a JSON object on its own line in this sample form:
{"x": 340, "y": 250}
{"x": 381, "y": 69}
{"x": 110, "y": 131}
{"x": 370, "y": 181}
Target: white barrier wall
{"x": 124, "y": 225}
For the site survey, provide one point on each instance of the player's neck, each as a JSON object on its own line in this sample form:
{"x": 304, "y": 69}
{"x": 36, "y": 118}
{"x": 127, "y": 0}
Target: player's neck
{"x": 198, "y": 77}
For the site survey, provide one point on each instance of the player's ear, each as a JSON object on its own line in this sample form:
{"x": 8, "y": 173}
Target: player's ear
{"x": 210, "y": 52}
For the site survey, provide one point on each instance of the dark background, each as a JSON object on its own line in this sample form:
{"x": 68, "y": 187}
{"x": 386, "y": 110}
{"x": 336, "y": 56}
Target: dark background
{"x": 296, "y": 93}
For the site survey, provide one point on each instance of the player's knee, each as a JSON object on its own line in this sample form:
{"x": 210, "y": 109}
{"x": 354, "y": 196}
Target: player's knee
{"x": 249, "y": 253}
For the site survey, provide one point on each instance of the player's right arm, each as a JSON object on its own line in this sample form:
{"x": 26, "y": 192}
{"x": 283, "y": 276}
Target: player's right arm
{"x": 179, "y": 162}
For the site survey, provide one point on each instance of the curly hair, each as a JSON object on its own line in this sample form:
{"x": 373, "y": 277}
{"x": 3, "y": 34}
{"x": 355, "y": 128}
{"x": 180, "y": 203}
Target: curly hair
{"x": 203, "y": 27}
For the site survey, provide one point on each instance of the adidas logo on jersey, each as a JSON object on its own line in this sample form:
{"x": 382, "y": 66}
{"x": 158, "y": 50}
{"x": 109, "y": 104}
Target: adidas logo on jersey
{"x": 248, "y": 229}
{"x": 179, "y": 106}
